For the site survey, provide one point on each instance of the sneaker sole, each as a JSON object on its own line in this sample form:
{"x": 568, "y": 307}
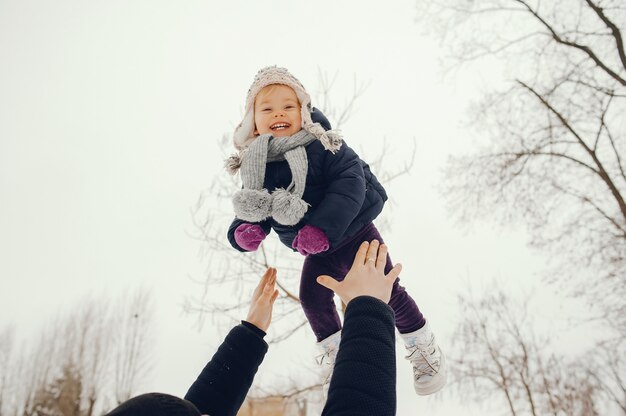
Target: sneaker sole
{"x": 437, "y": 382}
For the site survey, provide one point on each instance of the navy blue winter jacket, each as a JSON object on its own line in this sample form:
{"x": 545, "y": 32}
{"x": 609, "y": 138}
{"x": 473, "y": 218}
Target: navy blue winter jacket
{"x": 344, "y": 195}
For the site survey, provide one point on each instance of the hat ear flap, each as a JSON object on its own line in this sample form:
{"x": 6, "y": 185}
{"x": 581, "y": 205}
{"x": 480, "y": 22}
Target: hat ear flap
{"x": 244, "y": 131}
{"x": 305, "y": 116}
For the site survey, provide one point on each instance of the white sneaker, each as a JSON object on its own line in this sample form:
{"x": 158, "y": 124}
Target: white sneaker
{"x": 326, "y": 360}
{"x": 429, "y": 363}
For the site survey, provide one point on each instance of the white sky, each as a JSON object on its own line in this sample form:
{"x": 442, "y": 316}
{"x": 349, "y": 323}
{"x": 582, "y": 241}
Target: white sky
{"x": 110, "y": 116}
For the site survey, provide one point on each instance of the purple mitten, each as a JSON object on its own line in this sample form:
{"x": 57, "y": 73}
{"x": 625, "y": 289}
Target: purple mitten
{"x": 249, "y": 236}
{"x": 310, "y": 240}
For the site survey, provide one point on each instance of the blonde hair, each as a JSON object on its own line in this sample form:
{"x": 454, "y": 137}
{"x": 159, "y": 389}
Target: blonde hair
{"x": 268, "y": 89}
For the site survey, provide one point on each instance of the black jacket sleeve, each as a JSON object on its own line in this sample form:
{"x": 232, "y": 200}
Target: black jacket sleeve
{"x": 344, "y": 195}
{"x": 224, "y": 382}
{"x": 364, "y": 379}
{"x": 265, "y": 225}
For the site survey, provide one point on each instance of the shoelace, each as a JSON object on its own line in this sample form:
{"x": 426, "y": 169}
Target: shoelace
{"x": 324, "y": 359}
{"x": 425, "y": 365}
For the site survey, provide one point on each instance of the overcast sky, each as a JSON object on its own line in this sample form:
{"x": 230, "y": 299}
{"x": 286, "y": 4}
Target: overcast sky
{"x": 110, "y": 118}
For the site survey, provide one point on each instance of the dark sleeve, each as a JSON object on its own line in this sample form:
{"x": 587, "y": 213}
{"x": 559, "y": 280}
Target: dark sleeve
{"x": 364, "y": 378}
{"x": 265, "y": 225}
{"x": 224, "y": 382}
{"x": 344, "y": 195}
{"x": 254, "y": 329}
{"x": 318, "y": 117}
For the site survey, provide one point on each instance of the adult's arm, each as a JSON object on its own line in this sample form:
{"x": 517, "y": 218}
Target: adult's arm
{"x": 224, "y": 382}
{"x": 364, "y": 378}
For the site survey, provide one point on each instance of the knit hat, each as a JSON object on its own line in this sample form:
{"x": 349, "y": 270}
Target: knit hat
{"x": 155, "y": 404}
{"x": 244, "y": 133}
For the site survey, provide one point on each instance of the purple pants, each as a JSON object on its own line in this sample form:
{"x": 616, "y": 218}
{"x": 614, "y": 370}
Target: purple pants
{"x": 317, "y": 301}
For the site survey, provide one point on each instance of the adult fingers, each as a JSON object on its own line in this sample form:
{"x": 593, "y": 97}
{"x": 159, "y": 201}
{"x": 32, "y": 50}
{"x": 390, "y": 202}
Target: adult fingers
{"x": 268, "y": 290}
{"x": 260, "y": 287}
{"x": 394, "y": 273}
{"x": 271, "y": 282}
{"x": 267, "y": 275}
{"x": 381, "y": 258}
{"x": 272, "y": 277}
{"x": 328, "y": 282}
{"x": 359, "y": 258}
{"x": 372, "y": 253}
{"x": 268, "y": 280}
{"x": 274, "y": 296}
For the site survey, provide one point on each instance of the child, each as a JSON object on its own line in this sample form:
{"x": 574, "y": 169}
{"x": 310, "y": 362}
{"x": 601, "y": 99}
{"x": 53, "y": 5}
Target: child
{"x": 301, "y": 180}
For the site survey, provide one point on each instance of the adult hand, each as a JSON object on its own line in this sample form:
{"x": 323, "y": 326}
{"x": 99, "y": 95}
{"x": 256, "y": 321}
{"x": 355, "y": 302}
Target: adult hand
{"x": 260, "y": 314}
{"x": 366, "y": 276}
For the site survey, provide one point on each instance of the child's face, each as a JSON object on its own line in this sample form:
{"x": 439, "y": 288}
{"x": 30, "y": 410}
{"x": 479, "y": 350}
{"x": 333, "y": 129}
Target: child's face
{"x": 277, "y": 111}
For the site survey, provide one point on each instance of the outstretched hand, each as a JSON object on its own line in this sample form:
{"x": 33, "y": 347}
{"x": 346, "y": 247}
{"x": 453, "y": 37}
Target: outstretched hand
{"x": 366, "y": 276}
{"x": 260, "y": 314}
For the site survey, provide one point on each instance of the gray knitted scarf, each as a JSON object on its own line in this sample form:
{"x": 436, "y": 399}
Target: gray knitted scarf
{"x": 253, "y": 203}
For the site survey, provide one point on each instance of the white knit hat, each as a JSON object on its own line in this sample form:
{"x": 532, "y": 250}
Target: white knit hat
{"x": 244, "y": 132}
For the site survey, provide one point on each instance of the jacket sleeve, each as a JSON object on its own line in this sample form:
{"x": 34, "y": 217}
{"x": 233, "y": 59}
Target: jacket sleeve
{"x": 344, "y": 196}
{"x": 364, "y": 378}
{"x": 265, "y": 225}
{"x": 224, "y": 382}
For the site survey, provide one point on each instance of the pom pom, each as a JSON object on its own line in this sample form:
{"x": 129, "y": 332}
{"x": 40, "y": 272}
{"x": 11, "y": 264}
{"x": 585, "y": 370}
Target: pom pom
{"x": 287, "y": 208}
{"x": 331, "y": 139}
{"x": 232, "y": 164}
{"x": 334, "y": 140}
{"x": 252, "y": 205}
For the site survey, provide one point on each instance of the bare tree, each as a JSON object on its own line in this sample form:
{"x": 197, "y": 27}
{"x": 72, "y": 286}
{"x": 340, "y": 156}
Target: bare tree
{"x": 499, "y": 355}
{"x": 6, "y": 357}
{"x": 551, "y": 158}
{"x": 131, "y": 329}
{"x": 80, "y": 362}
{"x": 554, "y": 158}
{"x": 61, "y": 396}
